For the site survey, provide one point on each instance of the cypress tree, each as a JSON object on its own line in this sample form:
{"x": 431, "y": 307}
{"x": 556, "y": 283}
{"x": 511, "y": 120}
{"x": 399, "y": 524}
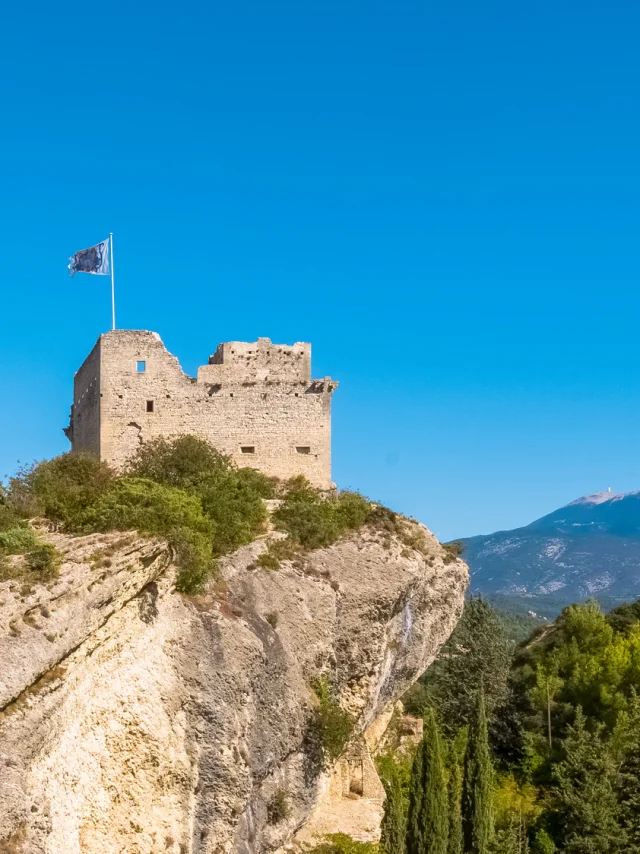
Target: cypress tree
{"x": 455, "y": 814}
{"x": 416, "y": 797}
{"x": 392, "y": 830}
{"x": 428, "y": 826}
{"x": 477, "y": 816}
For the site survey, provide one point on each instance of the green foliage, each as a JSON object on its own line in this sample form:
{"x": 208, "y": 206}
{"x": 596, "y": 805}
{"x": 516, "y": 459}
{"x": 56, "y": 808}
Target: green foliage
{"x": 393, "y": 829}
{"x": 331, "y": 725}
{"x": 585, "y": 793}
{"x": 44, "y": 561}
{"x": 428, "y": 819}
{"x": 457, "y": 749}
{"x": 181, "y": 489}
{"x": 184, "y": 462}
{"x": 231, "y": 498}
{"x": 140, "y": 504}
{"x": 314, "y": 520}
{"x": 276, "y": 551}
{"x": 452, "y": 550}
{"x": 17, "y": 540}
{"x": 477, "y": 811}
{"x": 340, "y": 843}
{"x": 278, "y": 808}
{"x": 628, "y": 779}
{"x": 60, "y": 489}
{"x": 477, "y": 654}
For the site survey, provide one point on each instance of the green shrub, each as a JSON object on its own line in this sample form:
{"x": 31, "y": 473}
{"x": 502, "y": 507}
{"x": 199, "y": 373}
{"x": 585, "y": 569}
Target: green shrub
{"x": 9, "y": 516}
{"x": 194, "y": 560}
{"x": 452, "y": 551}
{"x": 331, "y": 725}
{"x": 278, "y": 808}
{"x": 276, "y": 551}
{"x": 17, "y": 540}
{"x": 231, "y": 497}
{"x": 44, "y": 561}
{"x": 340, "y": 843}
{"x": 60, "y": 489}
{"x": 314, "y": 520}
{"x": 135, "y": 503}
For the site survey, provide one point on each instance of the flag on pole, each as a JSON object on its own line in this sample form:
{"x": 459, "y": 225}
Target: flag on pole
{"x": 93, "y": 260}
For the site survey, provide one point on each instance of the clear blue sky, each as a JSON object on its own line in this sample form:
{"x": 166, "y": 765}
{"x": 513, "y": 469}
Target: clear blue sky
{"x": 444, "y": 197}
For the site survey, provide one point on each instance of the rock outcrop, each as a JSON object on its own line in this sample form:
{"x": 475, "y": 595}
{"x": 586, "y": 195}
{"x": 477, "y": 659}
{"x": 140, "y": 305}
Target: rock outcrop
{"x": 137, "y": 720}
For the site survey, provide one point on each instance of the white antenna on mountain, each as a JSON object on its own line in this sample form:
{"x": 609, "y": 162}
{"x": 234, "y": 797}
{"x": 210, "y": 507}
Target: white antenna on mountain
{"x": 609, "y": 490}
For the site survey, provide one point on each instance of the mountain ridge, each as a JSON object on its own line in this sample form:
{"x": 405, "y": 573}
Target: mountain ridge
{"x": 590, "y": 547}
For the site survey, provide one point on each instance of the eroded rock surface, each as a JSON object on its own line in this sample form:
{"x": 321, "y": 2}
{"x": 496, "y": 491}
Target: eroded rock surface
{"x": 137, "y": 720}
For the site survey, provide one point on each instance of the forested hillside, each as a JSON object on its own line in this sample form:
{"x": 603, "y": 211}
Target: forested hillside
{"x": 537, "y": 746}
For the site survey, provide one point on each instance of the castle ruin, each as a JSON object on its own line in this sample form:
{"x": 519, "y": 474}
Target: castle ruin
{"x": 255, "y": 402}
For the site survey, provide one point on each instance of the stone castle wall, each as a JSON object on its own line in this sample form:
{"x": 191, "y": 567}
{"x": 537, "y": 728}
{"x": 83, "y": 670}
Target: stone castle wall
{"x": 253, "y": 401}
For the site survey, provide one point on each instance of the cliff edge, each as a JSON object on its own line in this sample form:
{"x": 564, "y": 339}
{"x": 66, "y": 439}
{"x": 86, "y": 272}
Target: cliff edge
{"x": 137, "y": 720}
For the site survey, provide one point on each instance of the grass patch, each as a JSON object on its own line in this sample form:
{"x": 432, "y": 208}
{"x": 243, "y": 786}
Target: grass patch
{"x": 341, "y": 843}
{"x": 276, "y": 551}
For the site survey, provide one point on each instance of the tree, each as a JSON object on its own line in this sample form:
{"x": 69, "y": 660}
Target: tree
{"x": 456, "y": 760}
{"x": 478, "y": 653}
{"x": 393, "y": 829}
{"x": 428, "y": 825}
{"x": 628, "y": 782}
{"x": 477, "y": 817}
{"x": 585, "y": 795}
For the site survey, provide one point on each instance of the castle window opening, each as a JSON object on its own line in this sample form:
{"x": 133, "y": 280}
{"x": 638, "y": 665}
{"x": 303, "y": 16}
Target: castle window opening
{"x": 141, "y": 367}
{"x": 149, "y": 406}
{"x": 303, "y": 449}
{"x": 247, "y": 449}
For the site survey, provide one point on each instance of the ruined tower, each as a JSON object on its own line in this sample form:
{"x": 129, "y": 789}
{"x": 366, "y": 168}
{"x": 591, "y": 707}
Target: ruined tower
{"x": 255, "y": 402}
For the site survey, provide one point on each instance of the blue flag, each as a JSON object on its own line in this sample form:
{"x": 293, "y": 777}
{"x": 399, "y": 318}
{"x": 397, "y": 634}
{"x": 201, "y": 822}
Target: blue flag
{"x": 93, "y": 260}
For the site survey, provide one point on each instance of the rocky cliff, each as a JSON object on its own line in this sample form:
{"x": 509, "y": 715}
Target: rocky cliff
{"x": 137, "y": 720}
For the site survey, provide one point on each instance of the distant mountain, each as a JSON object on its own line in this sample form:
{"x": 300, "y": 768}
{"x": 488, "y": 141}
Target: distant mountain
{"x": 590, "y": 548}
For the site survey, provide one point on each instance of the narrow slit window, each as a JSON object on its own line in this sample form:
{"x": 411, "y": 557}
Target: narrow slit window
{"x": 149, "y": 406}
{"x": 303, "y": 449}
{"x": 247, "y": 449}
{"x": 141, "y": 367}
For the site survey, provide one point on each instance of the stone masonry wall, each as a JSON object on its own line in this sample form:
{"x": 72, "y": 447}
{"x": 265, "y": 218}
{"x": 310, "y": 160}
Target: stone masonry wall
{"x": 256, "y": 402}
{"x": 85, "y": 414}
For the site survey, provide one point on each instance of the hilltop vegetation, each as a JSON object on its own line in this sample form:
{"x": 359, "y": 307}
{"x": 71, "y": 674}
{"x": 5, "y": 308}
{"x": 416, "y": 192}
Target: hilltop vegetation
{"x": 181, "y": 489}
{"x": 562, "y": 737}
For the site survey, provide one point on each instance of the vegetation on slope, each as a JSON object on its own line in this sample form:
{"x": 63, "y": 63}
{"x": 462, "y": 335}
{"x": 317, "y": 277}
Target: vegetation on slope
{"x": 560, "y": 750}
{"x": 181, "y": 489}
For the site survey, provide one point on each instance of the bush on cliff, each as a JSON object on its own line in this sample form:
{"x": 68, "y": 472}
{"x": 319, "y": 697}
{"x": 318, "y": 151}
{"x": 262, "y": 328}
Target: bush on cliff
{"x": 331, "y": 726}
{"x": 182, "y": 489}
{"x": 314, "y": 520}
{"x": 61, "y": 488}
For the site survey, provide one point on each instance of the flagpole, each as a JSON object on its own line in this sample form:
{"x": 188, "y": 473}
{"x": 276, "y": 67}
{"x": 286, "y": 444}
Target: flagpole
{"x": 113, "y": 286}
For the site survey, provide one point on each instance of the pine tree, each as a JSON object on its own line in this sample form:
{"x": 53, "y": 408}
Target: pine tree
{"x": 585, "y": 793}
{"x": 392, "y": 830}
{"x": 477, "y": 817}
{"x": 629, "y": 779}
{"x": 428, "y": 823}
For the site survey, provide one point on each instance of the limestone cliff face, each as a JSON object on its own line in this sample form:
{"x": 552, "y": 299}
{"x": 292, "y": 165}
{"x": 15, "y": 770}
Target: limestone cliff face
{"x": 137, "y": 720}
